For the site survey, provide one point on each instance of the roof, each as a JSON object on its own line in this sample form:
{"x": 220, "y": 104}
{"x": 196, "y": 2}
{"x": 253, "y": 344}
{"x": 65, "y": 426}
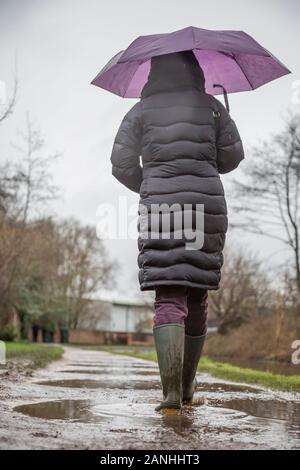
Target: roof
{"x": 112, "y": 298}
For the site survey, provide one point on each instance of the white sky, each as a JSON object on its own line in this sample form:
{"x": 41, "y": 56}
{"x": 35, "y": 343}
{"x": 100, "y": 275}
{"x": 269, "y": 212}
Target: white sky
{"x": 60, "y": 45}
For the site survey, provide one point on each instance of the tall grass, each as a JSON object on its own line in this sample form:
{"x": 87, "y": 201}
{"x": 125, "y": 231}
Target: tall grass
{"x": 234, "y": 373}
{"x": 38, "y": 355}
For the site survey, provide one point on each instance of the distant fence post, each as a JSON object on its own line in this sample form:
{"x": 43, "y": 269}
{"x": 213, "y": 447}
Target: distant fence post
{"x": 296, "y": 354}
{"x": 2, "y": 353}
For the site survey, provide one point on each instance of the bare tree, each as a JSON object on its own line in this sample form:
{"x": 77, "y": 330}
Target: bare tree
{"x": 269, "y": 197}
{"x": 244, "y": 291}
{"x": 25, "y": 188}
{"x": 5, "y": 182}
{"x": 84, "y": 267}
{"x": 8, "y": 108}
{"x": 46, "y": 268}
{"x": 35, "y": 188}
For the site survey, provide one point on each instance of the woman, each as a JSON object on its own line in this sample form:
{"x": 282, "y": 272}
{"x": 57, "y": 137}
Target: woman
{"x": 185, "y": 138}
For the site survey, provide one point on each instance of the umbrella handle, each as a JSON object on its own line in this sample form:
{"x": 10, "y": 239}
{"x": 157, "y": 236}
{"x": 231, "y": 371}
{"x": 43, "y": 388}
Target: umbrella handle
{"x": 224, "y": 94}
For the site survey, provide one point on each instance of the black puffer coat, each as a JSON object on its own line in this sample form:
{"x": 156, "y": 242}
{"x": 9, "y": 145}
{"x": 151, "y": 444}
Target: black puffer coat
{"x": 185, "y": 138}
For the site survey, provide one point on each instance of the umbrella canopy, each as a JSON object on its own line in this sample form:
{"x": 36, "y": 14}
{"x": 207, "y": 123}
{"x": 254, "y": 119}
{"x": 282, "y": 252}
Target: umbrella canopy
{"x": 230, "y": 59}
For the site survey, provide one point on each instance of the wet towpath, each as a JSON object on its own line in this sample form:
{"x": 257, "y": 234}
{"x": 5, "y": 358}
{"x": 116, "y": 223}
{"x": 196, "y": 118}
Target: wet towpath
{"x": 97, "y": 400}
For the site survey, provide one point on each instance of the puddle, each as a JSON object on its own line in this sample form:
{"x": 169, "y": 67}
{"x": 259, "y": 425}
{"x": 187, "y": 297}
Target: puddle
{"x": 116, "y": 415}
{"x": 71, "y": 410}
{"x": 132, "y": 382}
{"x": 114, "y": 383}
{"x": 224, "y": 387}
{"x": 87, "y": 411}
{"x": 287, "y": 411}
{"x": 107, "y": 371}
{"x": 247, "y": 419}
{"x": 115, "y": 365}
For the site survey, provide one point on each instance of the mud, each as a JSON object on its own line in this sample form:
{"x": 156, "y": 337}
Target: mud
{"x": 95, "y": 400}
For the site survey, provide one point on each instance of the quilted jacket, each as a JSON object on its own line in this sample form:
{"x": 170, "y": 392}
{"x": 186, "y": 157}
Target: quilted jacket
{"x": 170, "y": 148}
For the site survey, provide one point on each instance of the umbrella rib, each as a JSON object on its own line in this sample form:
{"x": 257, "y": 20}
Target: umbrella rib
{"x": 242, "y": 70}
{"x": 140, "y": 62}
{"x": 193, "y": 36}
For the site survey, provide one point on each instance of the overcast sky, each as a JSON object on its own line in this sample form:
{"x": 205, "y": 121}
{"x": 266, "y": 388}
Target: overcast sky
{"x": 59, "y": 47}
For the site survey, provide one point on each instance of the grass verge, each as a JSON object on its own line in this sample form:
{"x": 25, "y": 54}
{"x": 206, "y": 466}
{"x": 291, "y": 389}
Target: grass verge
{"x": 35, "y": 355}
{"x": 234, "y": 373}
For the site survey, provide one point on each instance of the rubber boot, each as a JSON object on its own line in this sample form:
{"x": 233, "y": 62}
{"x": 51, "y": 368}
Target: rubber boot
{"x": 169, "y": 343}
{"x": 193, "y": 346}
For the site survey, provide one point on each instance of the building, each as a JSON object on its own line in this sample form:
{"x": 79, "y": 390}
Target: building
{"x": 110, "y": 322}
{"x": 114, "y": 322}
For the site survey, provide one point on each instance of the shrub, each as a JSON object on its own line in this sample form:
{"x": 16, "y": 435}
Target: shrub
{"x": 8, "y": 333}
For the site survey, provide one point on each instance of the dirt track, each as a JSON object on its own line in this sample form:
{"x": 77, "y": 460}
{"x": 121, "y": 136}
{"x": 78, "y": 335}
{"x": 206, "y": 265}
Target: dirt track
{"x": 96, "y": 400}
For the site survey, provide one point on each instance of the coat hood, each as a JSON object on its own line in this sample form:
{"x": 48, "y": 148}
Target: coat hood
{"x": 172, "y": 71}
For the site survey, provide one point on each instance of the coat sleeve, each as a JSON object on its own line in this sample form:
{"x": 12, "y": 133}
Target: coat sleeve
{"x": 230, "y": 150}
{"x": 126, "y": 151}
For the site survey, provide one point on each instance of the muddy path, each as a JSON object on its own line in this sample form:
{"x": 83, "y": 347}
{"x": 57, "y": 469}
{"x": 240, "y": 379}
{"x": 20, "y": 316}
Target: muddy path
{"x": 96, "y": 400}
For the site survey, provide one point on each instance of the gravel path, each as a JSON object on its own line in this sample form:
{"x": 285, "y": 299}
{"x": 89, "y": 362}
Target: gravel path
{"x": 97, "y": 400}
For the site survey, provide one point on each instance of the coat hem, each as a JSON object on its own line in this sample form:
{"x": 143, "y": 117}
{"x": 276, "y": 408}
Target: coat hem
{"x": 150, "y": 285}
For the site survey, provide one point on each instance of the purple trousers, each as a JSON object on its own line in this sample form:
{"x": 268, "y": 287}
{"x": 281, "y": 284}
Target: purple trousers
{"x": 184, "y": 305}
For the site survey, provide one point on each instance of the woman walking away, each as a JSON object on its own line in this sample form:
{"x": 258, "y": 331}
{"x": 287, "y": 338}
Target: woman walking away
{"x": 185, "y": 138}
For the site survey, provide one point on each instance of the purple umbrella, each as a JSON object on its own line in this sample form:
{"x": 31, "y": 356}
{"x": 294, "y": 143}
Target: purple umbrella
{"x": 231, "y": 60}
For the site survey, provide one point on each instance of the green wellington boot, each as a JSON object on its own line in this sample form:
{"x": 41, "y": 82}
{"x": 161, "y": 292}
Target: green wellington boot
{"x": 169, "y": 343}
{"x": 193, "y": 346}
